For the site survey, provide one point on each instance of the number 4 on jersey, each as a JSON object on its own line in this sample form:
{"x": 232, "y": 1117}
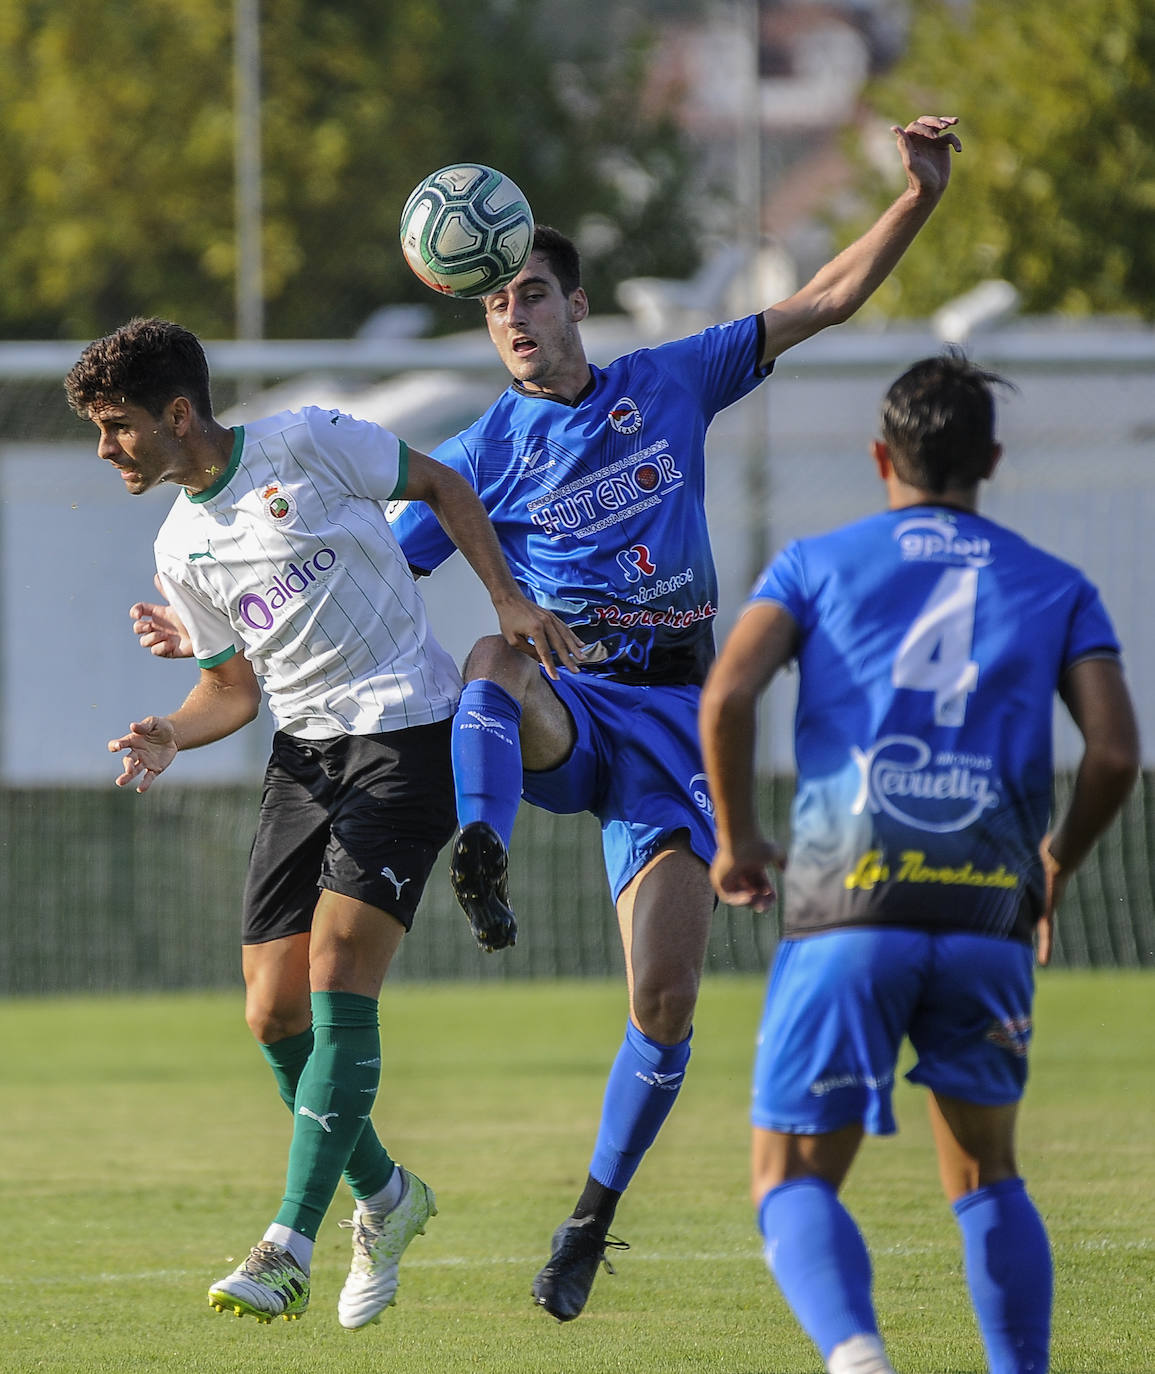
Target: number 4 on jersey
{"x": 935, "y": 654}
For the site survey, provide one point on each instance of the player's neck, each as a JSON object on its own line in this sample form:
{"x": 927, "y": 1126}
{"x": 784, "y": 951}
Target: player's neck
{"x": 564, "y": 386}
{"x": 210, "y": 451}
{"x": 902, "y": 497}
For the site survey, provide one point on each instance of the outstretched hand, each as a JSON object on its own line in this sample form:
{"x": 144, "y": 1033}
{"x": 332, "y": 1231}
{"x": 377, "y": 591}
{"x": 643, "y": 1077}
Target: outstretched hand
{"x": 534, "y": 631}
{"x": 150, "y": 746}
{"x": 743, "y": 878}
{"x": 159, "y": 629}
{"x": 925, "y": 145}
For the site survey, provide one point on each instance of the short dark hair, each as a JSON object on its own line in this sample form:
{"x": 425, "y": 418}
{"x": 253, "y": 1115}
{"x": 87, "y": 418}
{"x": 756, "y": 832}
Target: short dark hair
{"x": 562, "y": 255}
{"x": 146, "y": 362}
{"x": 938, "y": 420}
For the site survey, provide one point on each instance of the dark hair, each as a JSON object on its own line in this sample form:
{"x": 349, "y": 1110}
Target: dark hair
{"x": 561, "y": 254}
{"x": 938, "y": 420}
{"x": 146, "y": 363}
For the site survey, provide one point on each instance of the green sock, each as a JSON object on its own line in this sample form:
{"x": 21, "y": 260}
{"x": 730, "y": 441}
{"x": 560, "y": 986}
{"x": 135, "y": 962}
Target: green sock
{"x": 335, "y": 1095}
{"x": 370, "y": 1166}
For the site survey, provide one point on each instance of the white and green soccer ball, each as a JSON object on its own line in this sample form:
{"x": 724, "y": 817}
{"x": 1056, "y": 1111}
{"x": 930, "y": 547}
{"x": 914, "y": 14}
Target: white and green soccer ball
{"x": 466, "y": 230}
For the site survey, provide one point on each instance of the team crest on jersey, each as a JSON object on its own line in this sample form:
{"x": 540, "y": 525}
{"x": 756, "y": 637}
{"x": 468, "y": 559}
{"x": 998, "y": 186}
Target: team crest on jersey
{"x": 279, "y": 504}
{"x": 625, "y": 417}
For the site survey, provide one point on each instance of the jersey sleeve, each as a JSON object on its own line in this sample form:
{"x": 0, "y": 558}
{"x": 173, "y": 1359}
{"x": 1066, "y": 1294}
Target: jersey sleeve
{"x": 213, "y": 638}
{"x": 1091, "y": 634}
{"x": 365, "y": 459}
{"x": 720, "y": 363}
{"x": 784, "y": 581}
{"x": 423, "y": 541}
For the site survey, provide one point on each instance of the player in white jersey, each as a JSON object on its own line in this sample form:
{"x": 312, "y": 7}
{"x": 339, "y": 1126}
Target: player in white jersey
{"x": 930, "y": 643}
{"x": 282, "y": 567}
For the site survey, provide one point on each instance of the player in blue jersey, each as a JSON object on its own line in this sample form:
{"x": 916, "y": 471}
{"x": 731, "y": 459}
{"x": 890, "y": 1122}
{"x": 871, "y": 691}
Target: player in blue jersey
{"x": 594, "y": 479}
{"x": 930, "y": 644}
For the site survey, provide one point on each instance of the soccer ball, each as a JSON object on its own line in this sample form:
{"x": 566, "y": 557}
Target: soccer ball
{"x": 466, "y": 230}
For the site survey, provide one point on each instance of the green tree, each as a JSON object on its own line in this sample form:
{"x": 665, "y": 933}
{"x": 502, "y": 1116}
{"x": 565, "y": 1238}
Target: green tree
{"x": 116, "y": 155}
{"x": 1055, "y": 187}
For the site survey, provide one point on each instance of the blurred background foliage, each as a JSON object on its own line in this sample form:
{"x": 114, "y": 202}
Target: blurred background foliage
{"x": 1055, "y": 189}
{"x": 117, "y": 148}
{"x": 117, "y": 152}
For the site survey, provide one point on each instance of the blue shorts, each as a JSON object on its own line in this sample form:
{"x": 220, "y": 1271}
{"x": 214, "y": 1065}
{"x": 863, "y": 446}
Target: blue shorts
{"x": 636, "y": 765}
{"x": 839, "y": 1005}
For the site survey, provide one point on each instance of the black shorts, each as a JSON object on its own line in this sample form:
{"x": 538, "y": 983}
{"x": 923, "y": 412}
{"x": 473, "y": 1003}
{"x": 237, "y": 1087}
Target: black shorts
{"x": 362, "y": 815}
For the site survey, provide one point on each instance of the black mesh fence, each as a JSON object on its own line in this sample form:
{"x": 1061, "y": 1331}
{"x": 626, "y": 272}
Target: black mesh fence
{"x": 102, "y": 890}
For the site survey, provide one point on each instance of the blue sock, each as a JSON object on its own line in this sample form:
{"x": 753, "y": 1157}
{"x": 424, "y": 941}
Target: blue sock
{"x": 644, "y": 1082}
{"x": 487, "y": 773}
{"x": 1008, "y": 1266}
{"x": 820, "y": 1261}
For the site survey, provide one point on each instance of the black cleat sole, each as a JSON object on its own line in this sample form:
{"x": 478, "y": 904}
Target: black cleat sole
{"x": 477, "y": 874}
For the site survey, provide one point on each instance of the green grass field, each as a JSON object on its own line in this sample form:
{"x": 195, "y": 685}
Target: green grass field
{"x": 142, "y": 1147}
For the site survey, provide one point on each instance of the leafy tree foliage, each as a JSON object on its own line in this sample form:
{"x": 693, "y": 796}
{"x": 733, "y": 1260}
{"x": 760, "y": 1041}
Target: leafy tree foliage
{"x": 1055, "y": 188}
{"x": 116, "y": 155}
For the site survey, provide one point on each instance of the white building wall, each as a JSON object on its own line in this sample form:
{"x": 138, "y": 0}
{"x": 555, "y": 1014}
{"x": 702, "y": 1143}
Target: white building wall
{"x": 1078, "y": 477}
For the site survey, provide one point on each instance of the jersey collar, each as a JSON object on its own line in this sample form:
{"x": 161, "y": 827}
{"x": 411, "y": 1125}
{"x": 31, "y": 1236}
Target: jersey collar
{"x": 227, "y": 476}
{"x": 582, "y": 395}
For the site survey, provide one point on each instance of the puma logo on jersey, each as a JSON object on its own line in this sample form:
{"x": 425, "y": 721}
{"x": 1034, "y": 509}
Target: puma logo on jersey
{"x": 322, "y": 1121}
{"x": 398, "y": 883}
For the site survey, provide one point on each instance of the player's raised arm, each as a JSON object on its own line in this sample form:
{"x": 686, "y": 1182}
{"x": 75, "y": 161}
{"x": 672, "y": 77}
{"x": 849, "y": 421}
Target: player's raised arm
{"x": 760, "y": 644}
{"x": 839, "y": 289}
{"x": 524, "y": 624}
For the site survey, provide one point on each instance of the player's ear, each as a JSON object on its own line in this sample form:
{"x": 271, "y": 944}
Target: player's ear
{"x": 179, "y": 414}
{"x": 880, "y": 452}
{"x": 996, "y": 454}
{"x": 579, "y": 305}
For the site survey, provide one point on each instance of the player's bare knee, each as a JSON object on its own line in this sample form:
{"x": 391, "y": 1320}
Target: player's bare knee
{"x": 665, "y": 1012}
{"x": 273, "y": 1021}
{"x": 492, "y": 658}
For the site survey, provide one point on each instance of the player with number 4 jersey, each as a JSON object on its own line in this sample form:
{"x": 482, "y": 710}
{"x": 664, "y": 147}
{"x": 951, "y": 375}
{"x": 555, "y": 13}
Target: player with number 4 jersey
{"x": 924, "y": 779}
{"x": 931, "y": 643}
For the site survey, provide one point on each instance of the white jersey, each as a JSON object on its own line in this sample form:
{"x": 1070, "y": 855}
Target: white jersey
{"x": 288, "y": 559}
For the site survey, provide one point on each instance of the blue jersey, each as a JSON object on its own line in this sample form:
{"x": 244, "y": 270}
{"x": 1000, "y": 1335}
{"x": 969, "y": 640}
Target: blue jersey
{"x": 600, "y": 504}
{"x": 932, "y": 642}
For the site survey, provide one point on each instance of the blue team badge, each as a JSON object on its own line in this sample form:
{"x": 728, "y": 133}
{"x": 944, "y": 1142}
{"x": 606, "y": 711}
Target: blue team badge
{"x": 625, "y": 417}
